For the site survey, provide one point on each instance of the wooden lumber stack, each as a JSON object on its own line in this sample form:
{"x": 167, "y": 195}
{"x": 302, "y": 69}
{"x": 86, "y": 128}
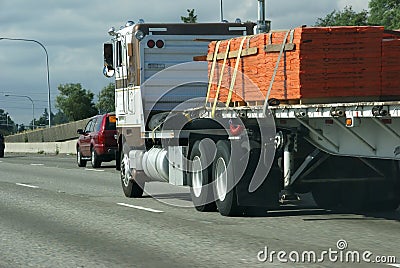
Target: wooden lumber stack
{"x": 391, "y": 65}
{"x": 317, "y": 63}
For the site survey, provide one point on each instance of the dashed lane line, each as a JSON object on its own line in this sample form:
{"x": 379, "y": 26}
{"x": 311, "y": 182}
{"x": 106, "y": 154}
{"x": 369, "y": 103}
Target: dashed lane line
{"x": 92, "y": 169}
{"x": 37, "y": 164}
{"x": 27, "y": 185}
{"x": 140, "y": 207}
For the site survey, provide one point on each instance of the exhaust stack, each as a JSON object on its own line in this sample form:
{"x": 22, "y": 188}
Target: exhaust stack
{"x": 263, "y": 26}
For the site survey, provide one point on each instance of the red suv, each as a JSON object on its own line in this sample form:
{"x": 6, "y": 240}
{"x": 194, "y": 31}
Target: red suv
{"x": 97, "y": 142}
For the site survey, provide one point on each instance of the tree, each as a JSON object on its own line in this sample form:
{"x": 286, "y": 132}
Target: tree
{"x": 7, "y": 125}
{"x": 59, "y": 118}
{"x": 106, "y": 99}
{"x": 75, "y": 102}
{"x": 385, "y": 13}
{"x": 191, "y": 18}
{"x": 346, "y": 17}
{"x": 56, "y": 119}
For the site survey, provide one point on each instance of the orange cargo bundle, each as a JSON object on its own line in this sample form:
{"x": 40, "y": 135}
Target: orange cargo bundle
{"x": 313, "y": 62}
{"x": 391, "y": 65}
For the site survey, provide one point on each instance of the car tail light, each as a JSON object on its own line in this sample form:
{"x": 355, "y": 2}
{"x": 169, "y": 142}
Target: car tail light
{"x": 101, "y": 138}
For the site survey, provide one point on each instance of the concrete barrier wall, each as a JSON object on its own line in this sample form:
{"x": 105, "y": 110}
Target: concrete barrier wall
{"x": 66, "y": 147}
{"x": 57, "y": 133}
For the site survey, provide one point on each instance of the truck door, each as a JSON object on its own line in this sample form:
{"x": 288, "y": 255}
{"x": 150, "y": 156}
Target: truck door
{"x": 121, "y": 76}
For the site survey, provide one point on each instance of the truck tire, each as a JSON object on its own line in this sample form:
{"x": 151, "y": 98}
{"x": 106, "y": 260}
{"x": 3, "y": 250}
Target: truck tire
{"x": 95, "y": 159}
{"x": 200, "y": 177}
{"x": 223, "y": 174}
{"x": 79, "y": 160}
{"x": 131, "y": 188}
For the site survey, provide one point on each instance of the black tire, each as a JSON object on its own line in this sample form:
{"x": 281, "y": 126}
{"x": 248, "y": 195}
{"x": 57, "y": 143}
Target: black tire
{"x": 131, "y": 188}
{"x": 200, "y": 177}
{"x": 117, "y": 161}
{"x": 223, "y": 180}
{"x": 95, "y": 159}
{"x": 1, "y": 154}
{"x": 79, "y": 160}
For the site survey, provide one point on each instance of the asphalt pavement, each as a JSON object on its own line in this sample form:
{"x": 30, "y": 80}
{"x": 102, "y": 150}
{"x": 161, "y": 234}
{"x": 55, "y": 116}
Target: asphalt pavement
{"x": 54, "y": 214}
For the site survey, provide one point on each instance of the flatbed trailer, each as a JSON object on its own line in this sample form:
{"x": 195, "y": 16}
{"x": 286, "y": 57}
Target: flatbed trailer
{"x": 346, "y": 154}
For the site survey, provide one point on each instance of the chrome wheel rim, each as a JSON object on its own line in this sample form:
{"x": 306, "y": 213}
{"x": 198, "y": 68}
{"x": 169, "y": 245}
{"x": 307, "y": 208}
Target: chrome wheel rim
{"x": 125, "y": 172}
{"x": 221, "y": 179}
{"x": 197, "y": 176}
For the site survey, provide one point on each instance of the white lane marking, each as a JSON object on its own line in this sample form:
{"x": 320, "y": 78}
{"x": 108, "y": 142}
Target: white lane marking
{"x": 141, "y": 208}
{"x": 37, "y": 164}
{"x": 395, "y": 265}
{"x": 92, "y": 169}
{"x": 27, "y": 185}
{"x": 296, "y": 210}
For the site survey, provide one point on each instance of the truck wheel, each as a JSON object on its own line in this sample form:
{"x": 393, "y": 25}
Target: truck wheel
{"x": 1, "y": 153}
{"x": 129, "y": 186}
{"x": 200, "y": 178}
{"x": 79, "y": 160}
{"x": 223, "y": 178}
{"x": 95, "y": 159}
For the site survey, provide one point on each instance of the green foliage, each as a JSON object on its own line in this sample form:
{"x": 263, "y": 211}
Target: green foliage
{"x": 59, "y": 118}
{"x": 346, "y": 17}
{"x": 381, "y": 12}
{"x": 386, "y": 13}
{"x": 56, "y": 119}
{"x": 43, "y": 120}
{"x": 106, "y": 99}
{"x": 7, "y": 125}
{"x": 75, "y": 102}
{"x": 191, "y": 18}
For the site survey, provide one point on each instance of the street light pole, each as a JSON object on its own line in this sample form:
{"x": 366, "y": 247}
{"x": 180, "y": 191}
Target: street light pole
{"x": 33, "y": 106}
{"x": 222, "y": 13}
{"x": 47, "y": 65}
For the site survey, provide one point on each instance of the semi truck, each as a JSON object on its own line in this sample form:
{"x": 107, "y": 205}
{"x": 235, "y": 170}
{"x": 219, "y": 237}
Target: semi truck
{"x": 240, "y": 158}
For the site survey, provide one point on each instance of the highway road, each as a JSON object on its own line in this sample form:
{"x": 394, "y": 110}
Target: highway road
{"x": 54, "y": 214}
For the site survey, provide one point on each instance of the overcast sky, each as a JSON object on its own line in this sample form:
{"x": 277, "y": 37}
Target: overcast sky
{"x": 73, "y": 32}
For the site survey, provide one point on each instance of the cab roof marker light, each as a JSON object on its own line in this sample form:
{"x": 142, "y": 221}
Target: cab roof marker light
{"x": 129, "y": 23}
{"x": 112, "y": 32}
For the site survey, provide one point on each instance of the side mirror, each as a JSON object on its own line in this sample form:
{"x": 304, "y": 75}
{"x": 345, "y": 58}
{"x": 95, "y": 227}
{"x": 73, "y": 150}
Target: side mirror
{"x": 80, "y": 131}
{"x": 108, "y": 53}
{"x": 108, "y": 72}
